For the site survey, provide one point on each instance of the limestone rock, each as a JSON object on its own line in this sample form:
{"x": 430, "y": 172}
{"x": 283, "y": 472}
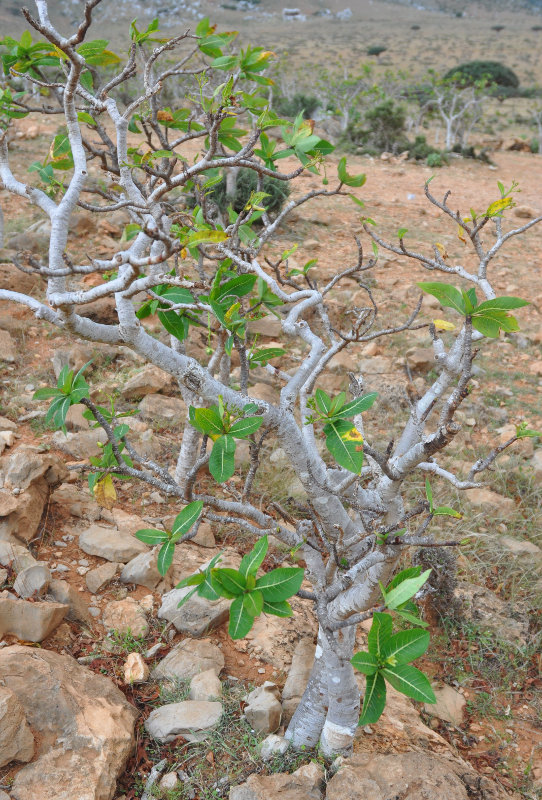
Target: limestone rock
{"x": 15, "y": 556}
{"x": 205, "y": 686}
{"x": 150, "y": 380}
{"x": 79, "y": 503}
{"x": 27, "y": 477}
{"x": 135, "y": 669}
{"x": 33, "y": 581}
{"x": 110, "y": 543}
{"x": 268, "y": 326}
{"x": 84, "y": 726}
{"x": 189, "y": 658}
{"x": 205, "y": 536}
{"x": 63, "y": 592}
{"x": 188, "y": 718}
{"x": 75, "y": 421}
{"x": 273, "y": 745}
{"x": 536, "y": 464}
{"x": 80, "y": 445}
{"x": 30, "y": 622}
{"x": 8, "y": 347}
{"x": 18, "y": 281}
{"x": 16, "y": 739}
{"x": 377, "y": 365}
{"x": 420, "y": 359}
{"x": 169, "y": 781}
{"x": 302, "y": 784}
{"x": 156, "y": 407}
{"x": 522, "y": 548}
{"x": 262, "y": 391}
{"x": 197, "y": 616}
{"x": 298, "y": 677}
{"x": 142, "y": 570}
{"x": 450, "y": 704}
{"x": 484, "y": 607}
{"x": 489, "y": 502}
{"x": 410, "y": 776}
{"x": 7, "y": 424}
{"x": 263, "y": 709}
{"x": 125, "y": 616}
{"x": 99, "y": 577}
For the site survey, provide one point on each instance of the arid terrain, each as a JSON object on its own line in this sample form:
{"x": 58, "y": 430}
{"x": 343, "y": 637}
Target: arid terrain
{"x": 485, "y": 647}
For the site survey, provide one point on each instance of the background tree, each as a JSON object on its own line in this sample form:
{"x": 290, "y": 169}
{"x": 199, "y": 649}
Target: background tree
{"x": 199, "y": 274}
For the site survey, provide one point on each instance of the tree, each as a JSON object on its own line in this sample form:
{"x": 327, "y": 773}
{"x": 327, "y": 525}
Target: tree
{"x": 195, "y": 274}
{"x": 458, "y": 103}
{"x": 340, "y": 91}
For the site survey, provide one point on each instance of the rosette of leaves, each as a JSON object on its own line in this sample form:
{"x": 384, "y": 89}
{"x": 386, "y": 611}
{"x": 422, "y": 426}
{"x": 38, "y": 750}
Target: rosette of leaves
{"x": 389, "y": 654}
{"x": 223, "y": 426}
{"x": 168, "y": 539}
{"x": 489, "y": 317}
{"x": 251, "y": 596}
{"x": 70, "y": 390}
{"x": 343, "y": 440}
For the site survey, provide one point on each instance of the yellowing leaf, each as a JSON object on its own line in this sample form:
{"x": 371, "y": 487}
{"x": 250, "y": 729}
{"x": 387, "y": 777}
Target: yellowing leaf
{"x": 104, "y": 492}
{"x": 498, "y": 206}
{"x": 443, "y": 325}
{"x": 461, "y": 234}
{"x": 184, "y": 252}
{"x": 164, "y": 116}
{"x": 442, "y": 250}
{"x": 352, "y": 435}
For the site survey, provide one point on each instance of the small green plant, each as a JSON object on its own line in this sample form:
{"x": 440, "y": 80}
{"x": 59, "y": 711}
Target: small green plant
{"x": 168, "y": 539}
{"x": 435, "y": 160}
{"x": 126, "y": 642}
{"x": 277, "y": 192}
{"x": 300, "y": 103}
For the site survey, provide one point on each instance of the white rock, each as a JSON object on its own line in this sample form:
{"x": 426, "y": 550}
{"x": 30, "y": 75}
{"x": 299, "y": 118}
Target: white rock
{"x": 110, "y": 543}
{"x": 102, "y": 575}
{"x": 263, "y": 710}
{"x": 16, "y": 739}
{"x": 125, "y": 616}
{"x": 135, "y": 669}
{"x": 188, "y": 658}
{"x": 142, "y": 570}
{"x": 205, "y": 686}
{"x": 188, "y": 718}
{"x": 273, "y": 745}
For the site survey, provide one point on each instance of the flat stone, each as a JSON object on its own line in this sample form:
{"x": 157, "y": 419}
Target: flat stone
{"x": 481, "y": 605}
{"x": 420, "y": 359}
{"x": 157, "y": 407}
{"x": 79, "y": 503}
{"x": 450, "y": 705}
{"x": 142, "y": 570}
{"x": 150, "y": 380}
{"x": 189, "y": 658}
{"x": 7, "y": 424}
{"x": 205, "y": 536}
{"x": 188, "y": 718}
{"x": 15, "y": 556}
{"x": 306, "y": 783}
{"x": 84, "y": 726}
{"x": 33, "y": 581}
{"x": 63, "y": 592}
{"x": 99, "y": 577}
{"x": 536, "y": 464}
{"x": 205, "y": 686}
{"x": 521, "y": 547}
{"x": 30, "y": 622}
{"x": 262, "y": 391}
{"x": 125, "y": 616}
{"x": 75, "y": 421}
{"x": 377, "y": 365}
{"x": 197, "y": 616}
{"x": 111, "y": 543}
{"x": 16, "y": 739}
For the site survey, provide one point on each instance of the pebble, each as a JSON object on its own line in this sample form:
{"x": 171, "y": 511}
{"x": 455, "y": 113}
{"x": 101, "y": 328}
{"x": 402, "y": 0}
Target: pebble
{"x": 59, "y": 543}
{"x": 82, "y": 570}
{"x": 261, "y": 671}
{"x": 84, "y": 562}
{"x": 93, "y": 611}
{"x": 61, "y": 568}
{"x": 68, "y": 537}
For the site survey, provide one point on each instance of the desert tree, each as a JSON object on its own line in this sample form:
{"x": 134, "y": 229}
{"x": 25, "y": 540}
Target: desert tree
{"x": 197, "y": 274}
{"x": 458, "y": 104}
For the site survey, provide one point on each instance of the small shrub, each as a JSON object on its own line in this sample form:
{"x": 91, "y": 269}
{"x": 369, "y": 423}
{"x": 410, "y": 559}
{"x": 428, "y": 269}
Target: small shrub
{"x": 376, "y": 50}
{"x": 247, "y": 182}
{"x": 492, "y": 71}
{"x": 383, "y": 129}
{"x": 420, "y": 150}
{"x": 535, "y": 146}
{"x": 299, "y": 103}
{"x": 435, "y": 160}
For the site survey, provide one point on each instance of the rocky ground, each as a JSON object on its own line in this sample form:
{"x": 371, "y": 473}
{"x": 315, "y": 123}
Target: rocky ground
{"x": 104, "y": 683}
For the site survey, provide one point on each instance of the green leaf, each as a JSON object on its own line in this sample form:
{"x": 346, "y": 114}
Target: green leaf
{"x": 279, "y": 608}
{"x": 231, "y": 580}
{"x": 46, "y": 393}
{"x": 374, "y": 700}
{"x": 405, "y": 646}
{"x": 410, "y": 681}
{"x": 251, "y": 562}
{"x": 345, "y": 445}
{"x": 240, "y": 620}
{"x": 486, "y": 326}
{"x": 429, "y": 494}
{"x": 165, "y": 557}
{"x": 207, "y": 420}
{"x": 185, "y": 519}
{"x": 358, "y": 405}
{"x": 446, "y": 511}
{"x": 380, "y": 632}
{"x": 243, "y": 428}
{"x": 281, "y": 583}
{"x": 151, "y": 536}
{"x": 349, "y": 180}
{"x": 405, "y": 590}
{"x": 323, "y": 401}
{"x": 222, "y": 460}
{"x": 365, "y": 662}
{"x": 187, "y": 597}
{"x": 447, "y": 295}
{"x": 408, "y": 617}
{"x": 253, "y": 603}
{"x": 401, "y": 232}
{"x": 236, "y": 287}
{"x": 207, "y": 237}
{"x": 83, "y": 116}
